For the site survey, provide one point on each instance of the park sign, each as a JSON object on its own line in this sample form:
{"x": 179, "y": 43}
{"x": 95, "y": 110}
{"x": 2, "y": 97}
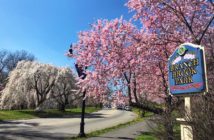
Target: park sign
{"x": 187, "y": 73}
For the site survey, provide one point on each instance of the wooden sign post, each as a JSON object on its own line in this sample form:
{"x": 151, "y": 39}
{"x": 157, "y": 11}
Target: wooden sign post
{"x": 187, "y": 76}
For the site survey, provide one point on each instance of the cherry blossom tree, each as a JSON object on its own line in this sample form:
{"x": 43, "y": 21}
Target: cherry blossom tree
{"x": 173, "y": 23}
{"x": 117, "y": 53}
{"x": 176, "y": 21}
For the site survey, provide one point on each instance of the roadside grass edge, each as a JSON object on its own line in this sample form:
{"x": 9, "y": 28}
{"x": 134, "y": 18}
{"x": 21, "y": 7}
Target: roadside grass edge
{"x": 122, "y": 125}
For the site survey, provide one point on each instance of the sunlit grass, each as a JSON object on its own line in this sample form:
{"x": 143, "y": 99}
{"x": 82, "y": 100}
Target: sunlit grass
{"x": 146, "y": 136}
{"x": 29, "y": 114}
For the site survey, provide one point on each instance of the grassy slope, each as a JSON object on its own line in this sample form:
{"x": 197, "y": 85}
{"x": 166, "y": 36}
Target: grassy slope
{"x": 146, "y": 136}
{"x": 151, "y": 136}
{"x": 29, "y": 114}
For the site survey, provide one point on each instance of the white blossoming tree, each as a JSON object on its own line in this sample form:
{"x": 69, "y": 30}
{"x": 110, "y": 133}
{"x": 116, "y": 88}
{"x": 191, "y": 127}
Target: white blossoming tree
{"x": 65, "y": 90}
{"x": 36, "y": 85}
{"x": 29, "y": 83}
{"x": 16, "y": 94}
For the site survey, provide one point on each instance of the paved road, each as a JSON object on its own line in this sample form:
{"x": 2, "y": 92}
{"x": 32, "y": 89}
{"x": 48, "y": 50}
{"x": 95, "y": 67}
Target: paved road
{"x": 127, "y": 133}
{"x": 61, "y": 128}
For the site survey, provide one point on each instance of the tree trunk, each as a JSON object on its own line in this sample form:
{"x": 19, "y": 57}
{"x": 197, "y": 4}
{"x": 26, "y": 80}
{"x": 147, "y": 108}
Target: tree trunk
{"x": 135, "y": 89}
{"x": 168, "y": 123}
{"x": 169, "y": 131}
{"x": 168, "y": 120}
{"x": 39, "y": 106}
{"x": 129, "y": 94}
{"x": 61, "y": 107}
{"x": 100, "y": 105}
{"x": 153, "y": 109}
{"x": 143, "y": 113}
{"x": 129, "y": 87}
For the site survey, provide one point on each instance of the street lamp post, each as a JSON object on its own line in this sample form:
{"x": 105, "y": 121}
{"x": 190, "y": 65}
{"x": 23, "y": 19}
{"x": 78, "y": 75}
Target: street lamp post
{"x": 82, "y": 123}
{"x": 81, "y": 73}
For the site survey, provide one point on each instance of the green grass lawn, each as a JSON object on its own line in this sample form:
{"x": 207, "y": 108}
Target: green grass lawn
{"x": 50, "y": 113}
{"x": 151, "y": 136}
{"x": 146, "y": 136}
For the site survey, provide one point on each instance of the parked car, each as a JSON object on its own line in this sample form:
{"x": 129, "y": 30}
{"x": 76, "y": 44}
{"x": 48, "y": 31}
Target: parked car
{"x": 128, "y": 108}
{"x": 120, "y": 107}
{"x": 107, "y": 106}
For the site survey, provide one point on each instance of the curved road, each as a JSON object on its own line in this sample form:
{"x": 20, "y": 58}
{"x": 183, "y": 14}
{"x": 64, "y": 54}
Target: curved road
{"x": 61, "y": 128}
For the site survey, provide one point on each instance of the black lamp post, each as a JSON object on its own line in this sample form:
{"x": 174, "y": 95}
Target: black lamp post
{"x": 82, "y": 123}
{"x": 81, "y": 73}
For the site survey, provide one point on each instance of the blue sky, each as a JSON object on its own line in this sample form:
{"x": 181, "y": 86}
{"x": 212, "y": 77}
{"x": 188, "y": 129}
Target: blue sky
{"x": 46, "y": 28}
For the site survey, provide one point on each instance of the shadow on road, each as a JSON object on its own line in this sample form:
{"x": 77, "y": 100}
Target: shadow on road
{"x": 14, "y": 124}
{"x": 87, "y": 115}
{"x": 62, "y": 115}
{"x": 31, "y": 135}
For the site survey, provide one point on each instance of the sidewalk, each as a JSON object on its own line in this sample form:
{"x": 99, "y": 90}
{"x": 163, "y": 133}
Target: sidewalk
{"x": 127, "y": 133}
